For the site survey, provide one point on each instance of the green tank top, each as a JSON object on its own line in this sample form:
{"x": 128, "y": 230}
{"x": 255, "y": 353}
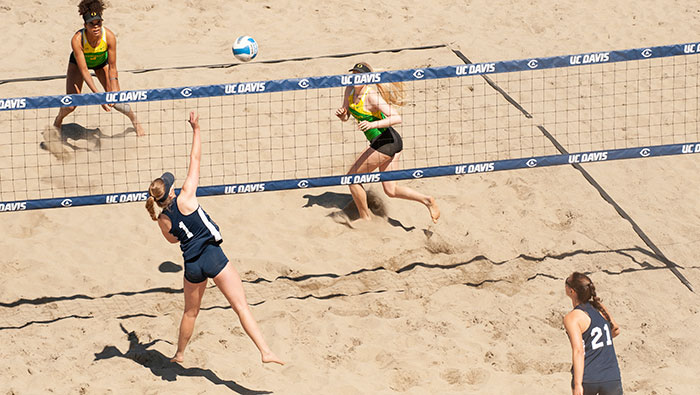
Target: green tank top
{"x": 359, "y": 112}
{"x": 95, "y": 56}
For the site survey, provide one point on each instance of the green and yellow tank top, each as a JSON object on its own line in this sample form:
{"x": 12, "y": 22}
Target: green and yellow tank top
{"x": 359, "y": 112}
{"x": 97, "y": 55}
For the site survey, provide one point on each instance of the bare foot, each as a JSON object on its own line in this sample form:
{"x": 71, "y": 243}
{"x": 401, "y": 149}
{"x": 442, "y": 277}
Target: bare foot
{"x": 178, "y": 358}
{"x": 139, "y": 130}
{"x": 271, "y": 357}
{"x": 434, "y": 209}
{"x": 362, "y": 218}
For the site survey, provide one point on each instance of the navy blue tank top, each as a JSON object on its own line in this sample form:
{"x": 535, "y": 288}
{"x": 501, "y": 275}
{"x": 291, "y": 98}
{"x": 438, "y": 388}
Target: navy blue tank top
{"x": 194, "y": 231}
{"x": 600, "y": 361}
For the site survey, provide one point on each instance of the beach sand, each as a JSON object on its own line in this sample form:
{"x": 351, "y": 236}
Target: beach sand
{"x": 90, "y": 297}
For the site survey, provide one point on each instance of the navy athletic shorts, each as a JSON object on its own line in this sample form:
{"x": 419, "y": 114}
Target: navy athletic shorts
{"x": 604, "y": 388}
{"x": 207, "y": 265}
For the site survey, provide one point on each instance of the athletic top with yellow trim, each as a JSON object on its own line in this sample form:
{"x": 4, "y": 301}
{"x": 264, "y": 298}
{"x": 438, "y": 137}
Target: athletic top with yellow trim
{"x": 359, "y": 112}
{"x": 98, "y": 55}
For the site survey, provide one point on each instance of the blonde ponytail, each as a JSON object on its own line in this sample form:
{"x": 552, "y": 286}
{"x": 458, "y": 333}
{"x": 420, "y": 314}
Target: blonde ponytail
{"x": 392, "y": 93}
{"x": 155, "y": 192}
{"x": 149, "y": 207}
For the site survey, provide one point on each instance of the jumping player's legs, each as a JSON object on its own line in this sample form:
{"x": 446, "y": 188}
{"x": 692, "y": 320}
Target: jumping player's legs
{"x": 193, "y": 299}
{"x": 229, "y": 283}
{"x": 369, "y": 160}
{"x": 393, "y": 190}
{"x": 74, "y": 84}
{"x": 102, "y": 75}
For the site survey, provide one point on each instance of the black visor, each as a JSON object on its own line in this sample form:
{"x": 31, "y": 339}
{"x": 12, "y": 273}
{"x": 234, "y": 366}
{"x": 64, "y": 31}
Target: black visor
{"x": 168, "y": 179}
{"x": 91, "y": 16}
{"x": 360, "y": 68}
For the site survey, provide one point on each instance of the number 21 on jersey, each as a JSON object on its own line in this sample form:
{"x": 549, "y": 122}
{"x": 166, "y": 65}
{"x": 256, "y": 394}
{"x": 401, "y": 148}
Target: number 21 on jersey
{"x": 597, "y": 333}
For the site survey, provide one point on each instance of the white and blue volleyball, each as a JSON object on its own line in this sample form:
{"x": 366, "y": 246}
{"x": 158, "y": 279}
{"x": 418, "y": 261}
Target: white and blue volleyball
{"x": 245, "y": 48}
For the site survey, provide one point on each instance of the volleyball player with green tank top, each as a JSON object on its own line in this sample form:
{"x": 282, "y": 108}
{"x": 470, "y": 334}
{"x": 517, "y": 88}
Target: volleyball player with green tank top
{"x": 373, "y": 108}
{"x": 94, "y": 48}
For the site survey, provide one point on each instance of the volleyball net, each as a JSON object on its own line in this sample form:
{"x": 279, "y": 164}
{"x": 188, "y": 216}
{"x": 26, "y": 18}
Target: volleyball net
{"x": 282, "y": 134}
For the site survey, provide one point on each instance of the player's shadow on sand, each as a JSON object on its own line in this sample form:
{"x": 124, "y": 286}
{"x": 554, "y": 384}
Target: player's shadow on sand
{"x": 348, "y": 210}
{"x": 161, "y": 366}
{"x": 56, "y": 142}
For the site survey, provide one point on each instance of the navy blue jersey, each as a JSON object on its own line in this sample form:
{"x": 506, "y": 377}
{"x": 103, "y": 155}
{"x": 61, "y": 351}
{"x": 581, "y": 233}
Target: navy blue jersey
{"x": 194, "y": 231}
{"x": 600, "y": 361}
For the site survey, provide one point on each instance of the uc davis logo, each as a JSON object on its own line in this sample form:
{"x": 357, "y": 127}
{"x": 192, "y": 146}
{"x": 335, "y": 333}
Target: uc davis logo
{"x": 66, "y": 203}
{"x": 66, "y": 100}
{"x": 646, "y": 53}
{"x": 533, "y": 64}
{"x": 531, "y": 163}
{"x": 186, "y": 92}
{"x": 419, "y": 74}
{"x": 645, "y": 152}
{"x": 304, "y": 83}
{"x": 303, "y": 184}
{"x": 418, "y": 174}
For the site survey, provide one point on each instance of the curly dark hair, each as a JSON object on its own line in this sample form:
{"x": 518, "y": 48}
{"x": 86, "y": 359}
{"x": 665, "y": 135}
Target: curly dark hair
{"x": 86, "y": 6}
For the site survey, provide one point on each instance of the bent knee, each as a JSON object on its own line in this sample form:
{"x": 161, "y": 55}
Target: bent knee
{"x": 390, "y": 190}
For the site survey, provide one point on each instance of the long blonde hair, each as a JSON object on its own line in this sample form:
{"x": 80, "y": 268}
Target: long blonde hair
{"x": 392, "y": 93}
{"x": 156, "y": 192}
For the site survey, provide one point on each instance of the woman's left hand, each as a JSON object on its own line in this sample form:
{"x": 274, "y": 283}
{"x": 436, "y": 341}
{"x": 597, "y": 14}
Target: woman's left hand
{"x": 365, "y": 126}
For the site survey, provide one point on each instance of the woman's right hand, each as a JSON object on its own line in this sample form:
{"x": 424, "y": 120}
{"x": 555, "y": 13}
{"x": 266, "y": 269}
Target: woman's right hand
{"x": 106, "y": 107}
{"x": 577, "y": 390}
{"x": 342, "y": 113}
{"x": 194, "y": 120}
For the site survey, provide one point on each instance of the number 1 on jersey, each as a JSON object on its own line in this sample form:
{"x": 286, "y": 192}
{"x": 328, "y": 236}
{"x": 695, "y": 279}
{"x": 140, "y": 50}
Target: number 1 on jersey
{"x": 184, "y": 229}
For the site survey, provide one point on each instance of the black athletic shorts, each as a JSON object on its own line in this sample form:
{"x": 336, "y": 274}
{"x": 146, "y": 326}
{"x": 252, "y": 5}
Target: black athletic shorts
{"x": 388, "y": 143}
{"x": 207, "y": 265}
{"x": 604, "y": 388}
{"x": 71, "y": 59}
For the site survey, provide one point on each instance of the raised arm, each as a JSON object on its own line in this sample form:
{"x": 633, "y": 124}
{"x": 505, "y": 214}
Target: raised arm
{"x": 188, "y": 194}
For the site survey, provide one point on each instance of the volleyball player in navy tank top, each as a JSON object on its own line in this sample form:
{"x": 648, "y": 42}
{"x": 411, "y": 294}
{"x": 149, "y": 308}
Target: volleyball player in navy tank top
{"x": 591, "y": 328}
{"x": 182, "y": 220}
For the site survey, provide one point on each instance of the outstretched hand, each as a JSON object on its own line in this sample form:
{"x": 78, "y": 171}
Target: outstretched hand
{"x": 194, "y": 120}
{"x": 342, "y": 113}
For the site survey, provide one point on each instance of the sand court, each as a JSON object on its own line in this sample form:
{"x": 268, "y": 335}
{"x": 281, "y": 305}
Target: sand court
{"x": 90, "y": 297}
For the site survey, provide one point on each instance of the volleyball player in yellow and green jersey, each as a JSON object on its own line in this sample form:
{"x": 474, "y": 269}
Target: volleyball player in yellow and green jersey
{"x": 358, "y": 111}
{"x": 94, "y": 48}
{"x": 371, "y": 106}
{"x": 95, "y": 57}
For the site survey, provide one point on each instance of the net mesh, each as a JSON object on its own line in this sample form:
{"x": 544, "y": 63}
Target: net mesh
{"x": 288, "y": 135}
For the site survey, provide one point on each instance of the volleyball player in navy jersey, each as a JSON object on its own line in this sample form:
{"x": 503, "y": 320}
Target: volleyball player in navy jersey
{"x": 591, "y": 329}
{"x": 183, "y": 220}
